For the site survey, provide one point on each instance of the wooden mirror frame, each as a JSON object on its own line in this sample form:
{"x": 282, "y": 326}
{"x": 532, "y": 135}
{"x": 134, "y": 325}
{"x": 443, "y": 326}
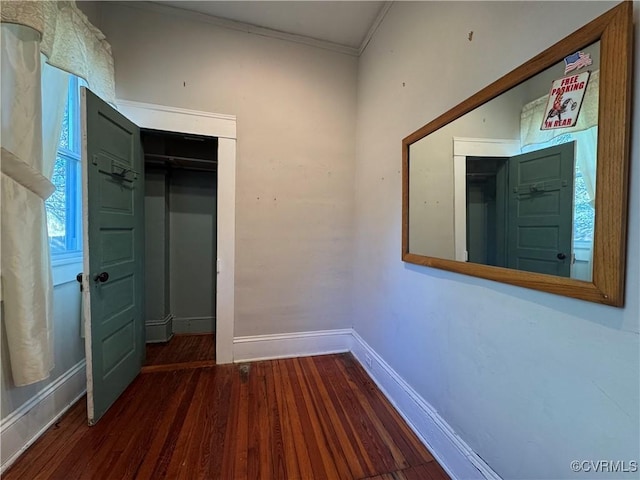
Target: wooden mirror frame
{"x": 614, "y": 30}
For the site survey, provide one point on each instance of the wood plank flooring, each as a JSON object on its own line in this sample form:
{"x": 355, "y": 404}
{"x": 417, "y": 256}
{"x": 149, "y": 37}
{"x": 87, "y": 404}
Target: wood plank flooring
{"x": 295, "y": 419}
{"x": 198, "y": 350}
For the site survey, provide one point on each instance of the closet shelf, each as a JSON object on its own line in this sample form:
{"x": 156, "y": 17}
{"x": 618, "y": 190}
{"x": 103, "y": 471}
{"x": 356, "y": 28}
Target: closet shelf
{"x": 180, "y": 162}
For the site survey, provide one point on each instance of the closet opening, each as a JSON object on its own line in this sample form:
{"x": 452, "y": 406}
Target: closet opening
{"x": 180, "y": 247}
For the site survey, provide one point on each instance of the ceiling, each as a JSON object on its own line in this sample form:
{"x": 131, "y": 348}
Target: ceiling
{"x": 345, "y": 23}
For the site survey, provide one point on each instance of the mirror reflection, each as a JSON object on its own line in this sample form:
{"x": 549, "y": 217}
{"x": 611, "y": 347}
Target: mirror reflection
{"x": 512, "y": 183}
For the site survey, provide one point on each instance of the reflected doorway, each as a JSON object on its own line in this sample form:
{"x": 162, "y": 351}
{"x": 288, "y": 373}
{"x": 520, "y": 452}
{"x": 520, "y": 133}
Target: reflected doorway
{"x": 486, "y": 210}
{"x": 519, "y": 210}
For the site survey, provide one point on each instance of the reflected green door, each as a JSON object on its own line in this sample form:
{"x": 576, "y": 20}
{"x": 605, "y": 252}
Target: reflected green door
{"x": 114, "y": 242}
{"x": 540, "y": 210}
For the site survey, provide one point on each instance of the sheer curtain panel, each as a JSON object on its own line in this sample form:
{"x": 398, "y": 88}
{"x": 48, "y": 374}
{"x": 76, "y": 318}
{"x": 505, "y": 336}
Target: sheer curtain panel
{"x": 41, "y": 41}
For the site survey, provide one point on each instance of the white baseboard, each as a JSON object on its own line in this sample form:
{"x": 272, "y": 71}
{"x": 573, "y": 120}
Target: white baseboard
{"x": 266, "y": 347}
{"x": 455, "y": 456}
{"x": 20, "y": 429}
{"x": 23, "y": 427}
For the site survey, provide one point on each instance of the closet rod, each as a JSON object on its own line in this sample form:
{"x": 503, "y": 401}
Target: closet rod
{"x": 173, "y": 157}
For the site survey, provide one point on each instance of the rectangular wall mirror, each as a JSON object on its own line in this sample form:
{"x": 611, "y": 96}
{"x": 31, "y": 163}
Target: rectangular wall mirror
{"x": 526, "y": 181}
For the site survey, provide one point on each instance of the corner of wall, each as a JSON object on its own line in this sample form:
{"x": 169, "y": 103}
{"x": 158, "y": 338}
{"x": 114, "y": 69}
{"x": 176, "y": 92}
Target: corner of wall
{"x": 25, "y": 425}
{"x": 453, "y": 454}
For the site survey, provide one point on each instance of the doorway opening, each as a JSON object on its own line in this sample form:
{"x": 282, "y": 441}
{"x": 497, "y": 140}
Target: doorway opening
{"x": 180, "y": 248}
{"x": 519, "y": 210}
{"x": 223, "y": 127}
{"x": 486, "y": 190}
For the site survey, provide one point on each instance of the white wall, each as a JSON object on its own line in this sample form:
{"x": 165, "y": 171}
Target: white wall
{"x": 528, "y": 379}
{"x": 68, "y": 348}
{"x": 431, "y": 179}
{"x": 295, "y": 108}
{"x": 27, "y": 411}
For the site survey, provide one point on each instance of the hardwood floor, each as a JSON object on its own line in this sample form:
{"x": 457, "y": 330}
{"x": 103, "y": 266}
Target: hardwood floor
{"x": 296, "y": 419}
{"x": 182, "y": 351}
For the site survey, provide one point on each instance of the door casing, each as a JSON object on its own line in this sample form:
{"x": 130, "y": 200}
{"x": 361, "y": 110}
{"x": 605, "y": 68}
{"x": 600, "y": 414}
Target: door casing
{"x": 159, "y": 117}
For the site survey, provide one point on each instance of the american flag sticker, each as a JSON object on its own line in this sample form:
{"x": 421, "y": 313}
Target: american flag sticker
{"x": 576, "y": 61}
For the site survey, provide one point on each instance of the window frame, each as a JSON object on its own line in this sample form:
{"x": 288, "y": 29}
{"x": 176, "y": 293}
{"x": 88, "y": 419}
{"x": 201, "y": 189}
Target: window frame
{"x": 66, "y": 262}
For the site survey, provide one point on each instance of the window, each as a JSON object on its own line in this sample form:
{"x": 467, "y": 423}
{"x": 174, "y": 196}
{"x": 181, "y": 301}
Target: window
{"x": 64, "y": 206}
{"x": 584, "y": 213}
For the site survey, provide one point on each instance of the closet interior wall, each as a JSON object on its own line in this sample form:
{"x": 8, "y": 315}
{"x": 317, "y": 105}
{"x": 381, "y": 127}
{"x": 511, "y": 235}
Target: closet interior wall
{"x": 180, "y": 234}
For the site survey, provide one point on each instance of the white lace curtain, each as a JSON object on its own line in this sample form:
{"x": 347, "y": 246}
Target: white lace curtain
{"x": 41, "y": 41}
{"x": 584, "y": 133}
{"x": 68, "y": 40}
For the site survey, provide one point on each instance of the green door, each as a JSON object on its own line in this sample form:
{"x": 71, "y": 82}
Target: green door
{"x": 113, "y": 253}
{"x": 540, "y": 210}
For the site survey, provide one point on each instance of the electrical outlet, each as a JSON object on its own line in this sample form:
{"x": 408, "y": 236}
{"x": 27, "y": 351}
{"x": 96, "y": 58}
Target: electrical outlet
{"x": 367, "y": 358}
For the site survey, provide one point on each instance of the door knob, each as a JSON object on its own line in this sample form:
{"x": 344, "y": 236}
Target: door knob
{"x": 101, "y": 277}
{"x": 561, "y": 256}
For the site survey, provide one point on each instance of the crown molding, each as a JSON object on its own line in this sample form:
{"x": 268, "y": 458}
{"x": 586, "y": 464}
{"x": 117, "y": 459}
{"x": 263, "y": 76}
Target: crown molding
{"x": 374, "y": 26}
{"x": 242, "y": 27}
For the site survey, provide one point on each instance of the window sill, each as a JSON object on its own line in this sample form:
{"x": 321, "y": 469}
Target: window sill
{"x": 65, "y": 269}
